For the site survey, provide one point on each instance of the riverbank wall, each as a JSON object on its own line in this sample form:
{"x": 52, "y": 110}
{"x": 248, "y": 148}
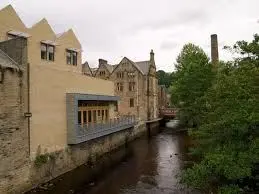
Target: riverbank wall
{"x": 48, "y": 166}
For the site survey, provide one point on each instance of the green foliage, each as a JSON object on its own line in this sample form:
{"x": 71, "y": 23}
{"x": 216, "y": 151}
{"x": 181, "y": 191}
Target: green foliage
{"x": 44, "y": 158}
{"x": 165, "y": 78}
{"x": 193, "y": 77}
{"x": 230, "y": 189}
{"x": 40, "y": 160}
{"x": 227, "y": 132}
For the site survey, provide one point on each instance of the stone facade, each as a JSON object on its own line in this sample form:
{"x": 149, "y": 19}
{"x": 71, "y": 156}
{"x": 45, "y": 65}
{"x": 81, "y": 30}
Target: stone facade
{"x": 14, "y": 152}
{"x": 136, "y": 84}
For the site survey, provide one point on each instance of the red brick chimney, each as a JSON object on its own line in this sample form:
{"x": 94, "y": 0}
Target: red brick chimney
{"x": 214, "y": 49}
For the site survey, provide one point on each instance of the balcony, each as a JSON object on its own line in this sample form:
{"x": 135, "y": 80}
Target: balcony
{"x": 91, "y": 131}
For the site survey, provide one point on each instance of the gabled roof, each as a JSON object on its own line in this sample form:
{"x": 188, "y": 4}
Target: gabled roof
{"x": 9, "y": 14}
{"x": 70, "y": 33}
{"x": 7, "y": 62}
{"x": 94, "y": 70}
{"x": 85, "y": 64}
{"x": 109, "y": 67}
{"x": 144, "y": 66}
{"x": 134, "y": 64}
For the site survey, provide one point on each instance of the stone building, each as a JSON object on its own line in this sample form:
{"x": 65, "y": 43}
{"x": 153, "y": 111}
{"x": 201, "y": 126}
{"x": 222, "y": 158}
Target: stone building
{"x": 51, "y": 104}
{"x": 135, "y": 83}
{"x": 48, "y": 101}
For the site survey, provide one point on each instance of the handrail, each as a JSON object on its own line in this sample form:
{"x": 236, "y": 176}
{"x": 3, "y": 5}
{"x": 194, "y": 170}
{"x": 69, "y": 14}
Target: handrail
{"x": 103, "y": 128}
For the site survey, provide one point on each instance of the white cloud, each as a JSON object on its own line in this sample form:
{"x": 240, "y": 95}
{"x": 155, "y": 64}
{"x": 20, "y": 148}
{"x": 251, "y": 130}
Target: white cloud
{"x": 115, "y": 28}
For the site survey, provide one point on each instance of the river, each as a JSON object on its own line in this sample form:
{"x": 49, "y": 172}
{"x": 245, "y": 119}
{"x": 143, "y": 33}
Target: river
{"x": 144, "y": 166}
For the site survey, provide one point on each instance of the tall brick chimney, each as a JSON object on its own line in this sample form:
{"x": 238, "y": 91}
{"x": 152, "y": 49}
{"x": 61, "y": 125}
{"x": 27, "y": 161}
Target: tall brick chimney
{"x": 214, "y": 49}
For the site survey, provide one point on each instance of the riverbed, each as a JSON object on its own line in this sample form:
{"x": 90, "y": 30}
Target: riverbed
{"x": 147, "y": 165}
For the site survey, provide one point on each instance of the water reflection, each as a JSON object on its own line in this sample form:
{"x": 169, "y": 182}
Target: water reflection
{"x": 146, "y": 166}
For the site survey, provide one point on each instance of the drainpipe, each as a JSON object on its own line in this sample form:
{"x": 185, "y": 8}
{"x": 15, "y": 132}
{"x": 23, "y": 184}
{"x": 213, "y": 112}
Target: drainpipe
{"x": 28, "y": 107}
{"x": 28, "y": 114}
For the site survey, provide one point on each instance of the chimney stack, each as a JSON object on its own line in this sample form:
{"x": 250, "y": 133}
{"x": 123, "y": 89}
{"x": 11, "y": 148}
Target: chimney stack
{"x": 214, "y": 49}
{"x": 102, "y": 61}
{"x": 152, "y": 58}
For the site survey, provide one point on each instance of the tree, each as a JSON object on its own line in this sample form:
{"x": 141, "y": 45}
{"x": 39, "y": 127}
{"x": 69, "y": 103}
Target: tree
{"x": 228, "y": 135}
{"x": 165, "y": 78}
{"x": 193, "y": 77}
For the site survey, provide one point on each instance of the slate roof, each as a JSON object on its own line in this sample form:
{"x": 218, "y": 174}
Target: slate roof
{"x": 109, "y": 67}
{"x": 144, "y": 66}
{"x": 7, "y": 62}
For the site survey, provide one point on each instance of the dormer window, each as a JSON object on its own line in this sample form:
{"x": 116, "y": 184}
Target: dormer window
{"x": 47, "y": 52}
{"x": 71, "y": 57}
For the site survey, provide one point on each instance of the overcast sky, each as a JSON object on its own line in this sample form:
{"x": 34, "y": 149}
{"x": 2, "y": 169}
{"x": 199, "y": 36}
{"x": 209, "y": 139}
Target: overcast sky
{"x": 111, "y": 29}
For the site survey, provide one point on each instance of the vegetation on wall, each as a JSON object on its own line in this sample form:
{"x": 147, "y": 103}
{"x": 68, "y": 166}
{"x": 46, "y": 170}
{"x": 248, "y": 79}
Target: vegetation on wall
{"x": 225, "y": 110}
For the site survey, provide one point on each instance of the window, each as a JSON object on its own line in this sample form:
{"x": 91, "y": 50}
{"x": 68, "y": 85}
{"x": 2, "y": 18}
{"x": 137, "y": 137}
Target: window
{"x": 120, "y": 75}
{"x": 1, "y": 76}
{"x": 99, "y": 113}
{"x": 94, "y": 116}
{"x": 102, "y": 73}
{"x": 89, "y": 116}
{"x": 102, "y": 114}
{"x": 43, "y": 48}
{"x": 47, "y": 52}
{"x": 79, "y": 118}
{"x": 120, "y": 87}
{"x": 131, "y": 86}
{"x": 131, "y": 74}
{"x": 71, "y": 57}
{"x": 51, "y": 53}
{"x": 84, "y": 117}
{"x": 106, "y": 114}
{"x": 131, "y": 102}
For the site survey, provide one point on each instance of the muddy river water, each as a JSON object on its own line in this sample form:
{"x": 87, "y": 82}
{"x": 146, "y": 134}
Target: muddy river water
{"x": 147, "y": 165}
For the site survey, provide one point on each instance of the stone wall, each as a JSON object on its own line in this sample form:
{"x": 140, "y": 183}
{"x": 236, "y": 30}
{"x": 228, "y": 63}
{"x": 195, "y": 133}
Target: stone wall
{"x": 14, "y": 141}
{"x": 48, "y": 166}
{"x": 14, "y": 145}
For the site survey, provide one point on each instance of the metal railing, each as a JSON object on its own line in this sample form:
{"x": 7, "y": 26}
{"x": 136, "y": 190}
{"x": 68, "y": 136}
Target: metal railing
{"x": 85, "y": 132}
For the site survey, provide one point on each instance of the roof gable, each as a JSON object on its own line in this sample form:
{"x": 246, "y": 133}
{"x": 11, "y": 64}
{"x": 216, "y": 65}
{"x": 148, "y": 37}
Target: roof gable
{"x": 102, "y": 67}
{"x": 69, "y": 35}
{"x": 43, "y": 28}
{"x": 14, "y": 21}
{"x": 86, "y": 66}
{"x": 125, "y": 59}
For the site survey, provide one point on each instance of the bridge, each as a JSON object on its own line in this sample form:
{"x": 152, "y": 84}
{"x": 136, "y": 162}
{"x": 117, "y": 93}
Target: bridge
{"x": 167, "y": 113}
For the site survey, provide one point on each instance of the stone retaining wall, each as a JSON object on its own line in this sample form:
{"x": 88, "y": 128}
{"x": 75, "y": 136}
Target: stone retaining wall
{"x": 48, "y": 166}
